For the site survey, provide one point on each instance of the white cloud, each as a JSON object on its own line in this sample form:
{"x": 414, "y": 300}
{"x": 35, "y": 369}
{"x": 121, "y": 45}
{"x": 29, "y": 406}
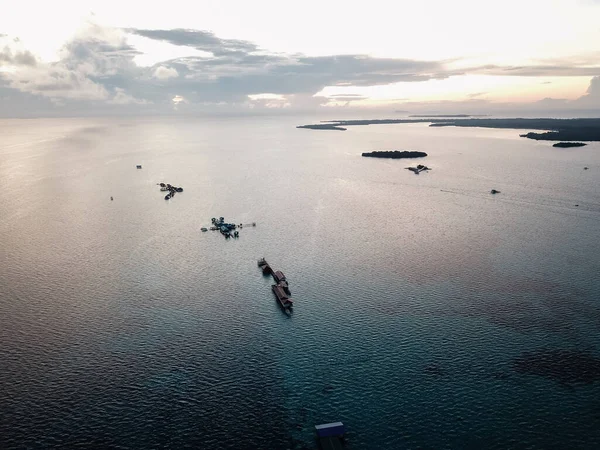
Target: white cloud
{"x": 266, "y": 97}
{"x": 164, "y": 73}
{"x": 56, "y": 82}
{"x": 123, "y": 98}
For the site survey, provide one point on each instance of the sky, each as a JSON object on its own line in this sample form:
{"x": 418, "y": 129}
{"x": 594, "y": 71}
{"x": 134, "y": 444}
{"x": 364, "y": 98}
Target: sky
{"x": 88, "y": 57}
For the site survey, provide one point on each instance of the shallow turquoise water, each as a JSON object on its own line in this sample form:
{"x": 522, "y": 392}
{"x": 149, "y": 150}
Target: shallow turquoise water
{"x": 429, "y": 314}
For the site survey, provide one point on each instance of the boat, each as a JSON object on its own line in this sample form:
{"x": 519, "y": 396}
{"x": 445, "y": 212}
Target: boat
{"x": 331, "y": 435}
{"x": 278, "y": 276}
{"x": 139, "y": 166}
{"x": 494, "y": 191}
{"x": 164, "y": 189}
{"x": 264, "y": 265}
{"x": 167, "y": 197}
{"x": 280, "y": 279}
{"x": 203, "y": 229}
{"x": 284, "y": 300}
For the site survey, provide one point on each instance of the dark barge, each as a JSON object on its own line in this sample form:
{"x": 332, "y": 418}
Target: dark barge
{"x": 264, "y": 265}
{"x": 284, "y": 300}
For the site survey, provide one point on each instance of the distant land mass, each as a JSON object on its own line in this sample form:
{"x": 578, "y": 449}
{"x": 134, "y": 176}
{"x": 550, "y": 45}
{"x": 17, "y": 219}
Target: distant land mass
{"x": 569, "y": 144}
{"x": 441, "y": 115}
{"x": 395, "y": 154}
{"x": 555, "y": 129}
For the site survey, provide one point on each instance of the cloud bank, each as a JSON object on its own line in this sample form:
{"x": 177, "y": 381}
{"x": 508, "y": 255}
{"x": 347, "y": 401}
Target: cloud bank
{"x": 97, "y": 73}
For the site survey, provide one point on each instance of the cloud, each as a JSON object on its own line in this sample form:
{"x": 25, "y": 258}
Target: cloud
{"x": 541, "y": 70}
{"x": 123, "y": 98}
{"x": 13, "y": 54}
{"x": 164, "y": 73}
{"x": 200, "y": 40}
{"x": 234, "y": 69}
{"x": 97, "y": 70}
{"x": 22, "y": 58}
{"x": 587, "y": 64}
{"x": 89, "y": 68}
{"x": 592, "y": 97}
{"x": 550, "y": 103}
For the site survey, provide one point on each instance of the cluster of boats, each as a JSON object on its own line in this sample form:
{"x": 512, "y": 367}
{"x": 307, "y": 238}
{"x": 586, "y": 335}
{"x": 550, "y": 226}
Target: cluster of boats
{"x": 281, "y": 288}
{"x": 172, "y": 190}
{"x": 417, "y": 170}
{"x": 226, "y": 229}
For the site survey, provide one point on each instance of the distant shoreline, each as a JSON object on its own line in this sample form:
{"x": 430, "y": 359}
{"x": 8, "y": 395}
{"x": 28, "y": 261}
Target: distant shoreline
{"x": 456, "y": 116}
{"x": 554, "y": 129}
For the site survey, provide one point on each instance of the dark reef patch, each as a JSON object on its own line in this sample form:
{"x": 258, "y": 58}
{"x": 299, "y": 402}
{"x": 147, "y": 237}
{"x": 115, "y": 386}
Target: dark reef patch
{"x": 565, "y": 366}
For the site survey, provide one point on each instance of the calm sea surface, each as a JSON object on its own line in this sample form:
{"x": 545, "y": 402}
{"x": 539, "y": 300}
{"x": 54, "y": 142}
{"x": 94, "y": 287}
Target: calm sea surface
{"x": 429, "y": 313}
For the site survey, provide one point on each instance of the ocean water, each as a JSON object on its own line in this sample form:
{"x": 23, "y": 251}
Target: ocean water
{"x": 428, "y": 312}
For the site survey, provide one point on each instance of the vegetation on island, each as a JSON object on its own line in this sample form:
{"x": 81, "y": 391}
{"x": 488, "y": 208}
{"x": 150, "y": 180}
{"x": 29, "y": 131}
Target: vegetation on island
{"x": 569, "y": 144}
{"x": 396, "y": 154}
{"x": 323, "y": 126}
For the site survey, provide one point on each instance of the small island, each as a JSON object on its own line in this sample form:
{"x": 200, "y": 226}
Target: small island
{"x": 569, "y": 144}
{"x": 395, "y": 154}
{"x": 323, "y": 126}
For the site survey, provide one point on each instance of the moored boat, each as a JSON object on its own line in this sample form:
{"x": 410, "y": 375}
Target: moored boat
{"x": 264, "y": 265}
{"x": 279, "y": 276}
{"x": 284, "y": 300}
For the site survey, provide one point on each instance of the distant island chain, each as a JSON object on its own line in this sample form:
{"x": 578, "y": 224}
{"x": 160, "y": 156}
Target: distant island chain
{"x": 552, "y": 129}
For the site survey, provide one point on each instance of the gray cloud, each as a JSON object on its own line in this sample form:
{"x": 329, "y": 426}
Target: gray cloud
{"x": 587, "y": 64}
{"x": 17, "y": 58}
{"x": 592, "y": 97}
{"x": 200, "y": 40}
{"x": 234, "y": 77}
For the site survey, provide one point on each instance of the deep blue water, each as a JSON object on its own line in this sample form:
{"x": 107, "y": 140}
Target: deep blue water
{"x": 429, "y": 313}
